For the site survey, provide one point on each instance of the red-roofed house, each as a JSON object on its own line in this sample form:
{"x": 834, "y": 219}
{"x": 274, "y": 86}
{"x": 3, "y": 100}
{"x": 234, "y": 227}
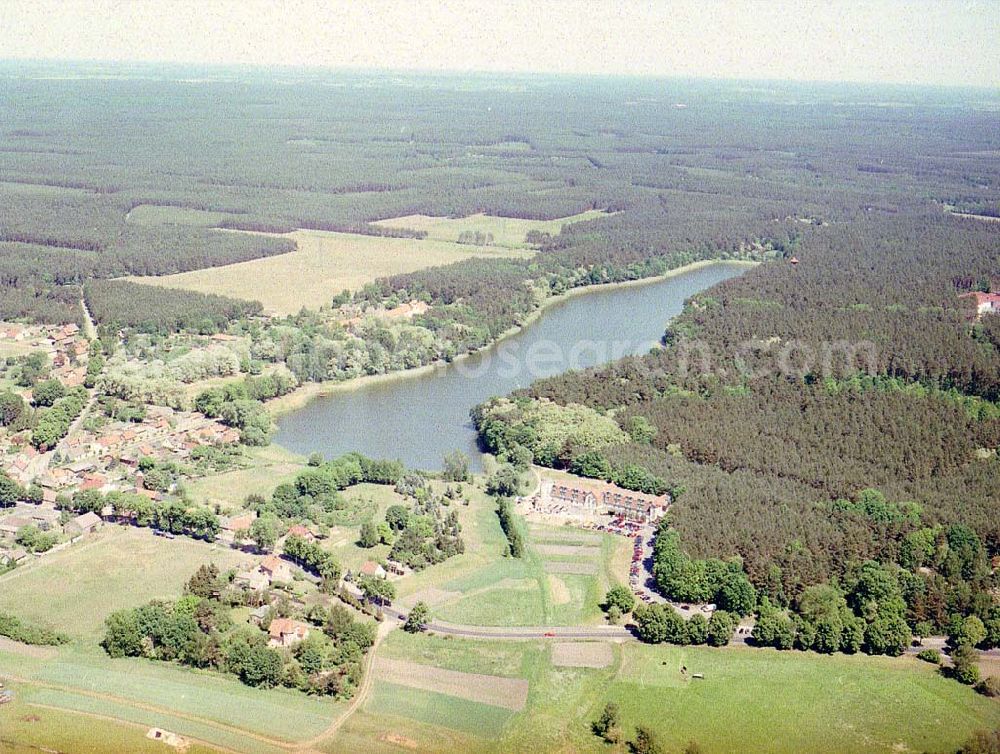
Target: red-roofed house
{"x": 298, "y": 530}
{"x": 231, "y": 526}
{"x": 93, "y": 482}
{"x": 371, "y": 568}
{"x": 986, "y": 303}
{"x": 276, "y": 569}
{"x": 285, "y": 632}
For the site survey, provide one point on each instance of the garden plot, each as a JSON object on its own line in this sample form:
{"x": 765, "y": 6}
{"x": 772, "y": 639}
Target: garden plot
{"x": 569, "y": 551}
{"x": 497, "y": 691}
{"x": 562, "y": 566}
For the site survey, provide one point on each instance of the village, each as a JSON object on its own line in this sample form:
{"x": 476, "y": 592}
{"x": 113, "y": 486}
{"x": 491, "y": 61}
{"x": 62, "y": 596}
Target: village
{"x": 103, "y": 459}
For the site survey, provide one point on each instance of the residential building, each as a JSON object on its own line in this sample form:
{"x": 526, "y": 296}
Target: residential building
{"x": 986, "y": 303}
{"x": 371, "y": 568}
{"x": 254, "y": 580}
{"x": 276, "y": 569}
{"x": 285, "y": 632}
{"x": 83, "y": 524}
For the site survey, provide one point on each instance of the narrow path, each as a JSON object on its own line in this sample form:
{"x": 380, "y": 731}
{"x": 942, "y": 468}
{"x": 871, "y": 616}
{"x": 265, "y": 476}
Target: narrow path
{"x": 89, "y": 328}
{"x": 359, "y": 697}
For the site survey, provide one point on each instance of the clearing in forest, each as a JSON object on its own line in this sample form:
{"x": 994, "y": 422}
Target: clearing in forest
{"x": 507, "y": 232}
{"x": 509, "y": 693}
{"x": 323, "y": 265}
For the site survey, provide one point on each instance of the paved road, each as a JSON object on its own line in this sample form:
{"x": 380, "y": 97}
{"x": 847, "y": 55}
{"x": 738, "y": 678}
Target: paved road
{"x": 613, "y": 633}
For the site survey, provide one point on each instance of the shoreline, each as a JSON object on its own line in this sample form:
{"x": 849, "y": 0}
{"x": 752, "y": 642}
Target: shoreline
{"x": 309, "y": 391}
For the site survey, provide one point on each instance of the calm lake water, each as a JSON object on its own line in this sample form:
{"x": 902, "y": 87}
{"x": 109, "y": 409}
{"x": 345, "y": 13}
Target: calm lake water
{"x": 420, "y": 418}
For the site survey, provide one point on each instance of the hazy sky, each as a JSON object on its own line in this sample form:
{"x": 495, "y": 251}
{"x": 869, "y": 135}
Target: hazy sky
{"x": 922, "y": 41}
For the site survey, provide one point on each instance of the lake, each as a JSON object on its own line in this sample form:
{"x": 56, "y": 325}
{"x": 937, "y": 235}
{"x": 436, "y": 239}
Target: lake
{"x": 419, "y": 418}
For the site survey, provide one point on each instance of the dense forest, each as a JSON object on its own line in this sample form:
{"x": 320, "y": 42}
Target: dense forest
{"x": 106, "y": 177}
{"x": 781, "y": 395}
{"x": 847, "y": 361}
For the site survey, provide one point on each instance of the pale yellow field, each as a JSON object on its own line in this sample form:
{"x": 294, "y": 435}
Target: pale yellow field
{"x": 507, "y": 231}
{"x": 323, "y": 265}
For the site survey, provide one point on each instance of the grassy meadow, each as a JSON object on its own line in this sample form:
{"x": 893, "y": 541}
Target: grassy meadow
{"x": 481, "y": 587}
{"x": 508, "y": 232}
{"x": 75, "y": 589}
{"x": 749, "y": 700}
{"x": 324, "y": 264}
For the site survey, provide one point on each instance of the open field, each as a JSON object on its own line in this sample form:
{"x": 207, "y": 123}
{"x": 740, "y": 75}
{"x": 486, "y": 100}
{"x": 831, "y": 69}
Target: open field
{"x": 441, "y": 710}
{"x": 749, "y": 700}
{"x": 118, "y": 568}
{"x": 26, "y": 728}
{"x": 270, "y": 466}
{"x": 508, "y": 232}
{"x": 160, "y": 214}
{"x": 509, "y": 693}
{"x": 570, "y": 551}
{"x": 582, "y": 654}
{"x": 765, "y": 700}
{"x": 480, "y": 587}
{"x": 201, "y": 704}
{"x": 323, "y": 265}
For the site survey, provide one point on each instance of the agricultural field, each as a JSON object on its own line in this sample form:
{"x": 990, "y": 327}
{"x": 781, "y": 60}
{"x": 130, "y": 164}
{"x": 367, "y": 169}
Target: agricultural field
{"x": 29, "y": 727}
{"x": 200, "y": 704}
{"x": 115, "y": 569}
{"x": 507, "y": 232}
{"x": 748, "y": 700}
{"x": 323, "y": 264}
{"x": 561, "y": 580}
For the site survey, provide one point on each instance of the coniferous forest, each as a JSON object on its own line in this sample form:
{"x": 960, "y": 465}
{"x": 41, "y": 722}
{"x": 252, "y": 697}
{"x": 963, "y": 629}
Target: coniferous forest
{"x": 847, "y": 362}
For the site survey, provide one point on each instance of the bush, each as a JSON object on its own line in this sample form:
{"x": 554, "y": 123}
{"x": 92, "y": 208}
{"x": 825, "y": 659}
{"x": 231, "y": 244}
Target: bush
{"x": 26, "y": 633}
{"x": 929, "y": 655}
{"x": 621, "y": 597}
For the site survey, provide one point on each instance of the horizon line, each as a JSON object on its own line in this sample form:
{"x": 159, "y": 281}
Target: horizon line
{"x": 451, "y": 72}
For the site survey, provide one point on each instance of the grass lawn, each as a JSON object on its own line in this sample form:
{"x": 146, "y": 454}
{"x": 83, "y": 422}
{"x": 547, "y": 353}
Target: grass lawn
{"x": 750, "y": 700}
{"x": 507, "y": 231}
{"x": 76, "y": 589}
{"x": 323, "y": 265}
{"x": 765, "y": 700}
